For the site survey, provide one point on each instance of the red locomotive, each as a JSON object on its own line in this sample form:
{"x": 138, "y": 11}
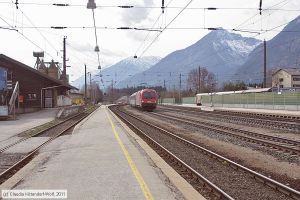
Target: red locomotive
{"x": 146, "y": 99}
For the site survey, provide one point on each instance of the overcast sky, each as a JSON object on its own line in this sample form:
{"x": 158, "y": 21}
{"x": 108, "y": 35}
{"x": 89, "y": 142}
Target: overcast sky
{"x": 115, "y": 44}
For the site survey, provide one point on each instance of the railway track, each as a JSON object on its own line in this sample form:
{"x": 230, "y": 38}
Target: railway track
{"x": 262, "y": 120}
{"x": 278, "y": 143}
{"x": 214, "y": 176}
{"x": 264, "y": 115}
{"x": 12, "y": 162}
{"x": 39, "y": 132}
{"x": 291, "y": 118}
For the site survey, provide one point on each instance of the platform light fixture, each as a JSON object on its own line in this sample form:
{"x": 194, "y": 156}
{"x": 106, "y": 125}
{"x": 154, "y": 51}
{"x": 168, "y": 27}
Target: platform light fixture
{"x": 96, "y": 48}
{"x": 91, "y": 4}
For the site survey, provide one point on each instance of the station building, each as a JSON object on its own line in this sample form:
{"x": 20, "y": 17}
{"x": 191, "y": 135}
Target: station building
{"x": 286, "y": 78}
{"x": 38, "y": 88}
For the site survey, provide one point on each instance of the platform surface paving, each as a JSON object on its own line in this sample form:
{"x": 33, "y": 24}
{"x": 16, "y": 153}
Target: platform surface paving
{"x": 99, "y": 161}
{"x": 24, "y": 122}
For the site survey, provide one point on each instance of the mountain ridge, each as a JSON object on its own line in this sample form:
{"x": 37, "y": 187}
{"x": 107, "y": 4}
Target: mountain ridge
{"x": 218, "y": 51}
{"x": 283, "y": 51}
{"x": 119, "y": 71}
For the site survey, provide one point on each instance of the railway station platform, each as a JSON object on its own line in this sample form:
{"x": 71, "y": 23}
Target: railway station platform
{"x": 246, "y": 110}
{"x": 102, "y": 159}
{"x": 261, "y": 111}
{"x": 24, "y": 122}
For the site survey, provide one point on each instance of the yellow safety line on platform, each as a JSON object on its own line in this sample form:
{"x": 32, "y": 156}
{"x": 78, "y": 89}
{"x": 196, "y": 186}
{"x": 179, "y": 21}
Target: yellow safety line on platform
{"x": 132, "y": 165}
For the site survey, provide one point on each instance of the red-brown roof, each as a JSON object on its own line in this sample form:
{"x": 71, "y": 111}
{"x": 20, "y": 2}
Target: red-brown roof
{"x": 27, "y": 68}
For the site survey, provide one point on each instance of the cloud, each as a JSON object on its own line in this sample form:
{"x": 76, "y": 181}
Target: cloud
{"x": 136, "y": 16}
{"x": 88, "y": 48}
{"x": 107, "y": 52}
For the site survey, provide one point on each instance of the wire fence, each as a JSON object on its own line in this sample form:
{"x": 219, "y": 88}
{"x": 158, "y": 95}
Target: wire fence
{"x": 271, "y": 101}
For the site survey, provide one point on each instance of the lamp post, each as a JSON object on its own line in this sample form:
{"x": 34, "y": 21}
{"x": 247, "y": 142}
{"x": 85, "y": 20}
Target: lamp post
{"x": 85, "y": 84}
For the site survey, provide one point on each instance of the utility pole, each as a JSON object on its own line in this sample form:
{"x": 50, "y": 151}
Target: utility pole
{"x": 265, "y": 64}
{"x": 199, "y": 79}
{"x": 174, "y": 94}
{"x": 64, "y": 73}
{"x": 180, "y": 81}
{"x": 180, "y": 88}
{"x": 85, "y": 84}
{"x": 90, "y": 87}
{"x": 164, "y": 84}
{"x": 112, "y": 90}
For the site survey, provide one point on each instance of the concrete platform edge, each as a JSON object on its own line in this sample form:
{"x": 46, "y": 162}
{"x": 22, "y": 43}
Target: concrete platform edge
{"x": 237, "y": 109}
{"x": 180, "y": 183}
{"x": 35, "y": 162}
{"x": 24, "y": 172}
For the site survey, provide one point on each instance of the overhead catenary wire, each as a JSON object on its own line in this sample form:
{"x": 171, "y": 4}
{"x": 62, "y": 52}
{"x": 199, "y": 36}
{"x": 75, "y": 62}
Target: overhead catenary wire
{"x": 10, "y": 27}
{"x": 158, "y": 29}
{"x": 209, "y": 56}
{"x": 43, "y": 36}
{"x": 14, "y": 28}
{"x": 156, "y": 21}
{"x": 24, "y": 36}
{"x": 142, "y": 7}
{"x": 97, "y": 48}
{"x": 166, "y": 27}
{"x": 250, "y": 18}
{"x": 175, "y": 28}
{"x": 258, "y": 34}
{"x": 262, "y": 17}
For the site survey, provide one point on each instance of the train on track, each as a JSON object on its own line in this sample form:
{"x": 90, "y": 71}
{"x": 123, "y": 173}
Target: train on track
{"x": 124, "y": 100}
{"x": 145, "y": 99}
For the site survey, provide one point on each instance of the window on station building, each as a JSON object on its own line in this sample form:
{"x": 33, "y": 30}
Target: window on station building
{"x": 296, "y": 78}
{"x": 281, "y": 80}
{"x": 296, "y": 85}
{"x": 281, "y": 86}
{"x": 31, "y": 96}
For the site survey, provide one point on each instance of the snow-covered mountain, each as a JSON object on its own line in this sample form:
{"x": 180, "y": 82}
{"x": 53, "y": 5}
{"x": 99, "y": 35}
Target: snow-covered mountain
{"x": 220, "y": 51}
{"x": 120, "y": 71}
{"x": 282, "y": 52}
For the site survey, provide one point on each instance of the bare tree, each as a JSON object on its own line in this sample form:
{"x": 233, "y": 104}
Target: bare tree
{"x": 231, "y": 86}
{"x": 211, "y": 82}
{"x": 204, "y": 81}
{"x": 193, "y": 79}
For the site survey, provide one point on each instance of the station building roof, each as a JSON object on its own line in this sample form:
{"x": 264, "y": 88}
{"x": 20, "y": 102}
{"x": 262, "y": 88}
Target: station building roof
{"x": 291, "y": 71}
{"x": 16, "y": 65}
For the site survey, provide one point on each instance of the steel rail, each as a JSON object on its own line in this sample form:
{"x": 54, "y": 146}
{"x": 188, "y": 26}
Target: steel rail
{"x": 270, "y": 122}
{"x": 38, "y": 133}
{"x": 220, "y": 129}
{"x": 266, "y": 180}
{"x": 218, "y": 192}
{"x": 278, "y": 139}
{"x": 267, "y": 117}
{"x": 253, "y": 114}
{"x": 14, "y": 168}
{"x": 295, "y": 118}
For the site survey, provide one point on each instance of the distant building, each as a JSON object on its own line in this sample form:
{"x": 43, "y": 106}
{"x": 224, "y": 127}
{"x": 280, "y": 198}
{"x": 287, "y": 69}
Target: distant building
{"x": 76, "y": 96}
{"x": 284, "y": 78}
{"x": 52, "y": 70}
